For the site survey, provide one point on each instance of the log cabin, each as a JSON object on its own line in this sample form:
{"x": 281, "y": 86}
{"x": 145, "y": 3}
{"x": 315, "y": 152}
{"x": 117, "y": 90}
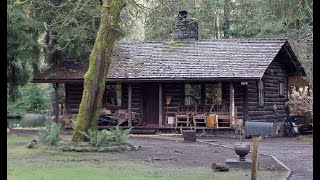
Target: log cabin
{"x": 159, "y": 79}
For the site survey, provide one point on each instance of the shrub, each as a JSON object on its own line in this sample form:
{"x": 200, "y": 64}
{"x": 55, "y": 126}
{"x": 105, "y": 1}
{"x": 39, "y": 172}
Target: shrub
{"x": 51, "y": 134}
{"x": 120, "y": 136}
{"x": 300, "y": 102}
{"x": 33, "y": 98}
{"x": 96, "y": 138}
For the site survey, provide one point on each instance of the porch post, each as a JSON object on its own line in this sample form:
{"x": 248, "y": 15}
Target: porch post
{"x": 231, "y": 104}
{"x": 56, "y": 101}
{"x": 160, "y": 104}
{"x": 66, "y": 99}
{"x": 130, "y": 105}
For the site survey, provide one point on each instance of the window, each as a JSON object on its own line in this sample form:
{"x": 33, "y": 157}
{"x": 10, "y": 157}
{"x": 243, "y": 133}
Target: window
{"x": 213, "y": 93}
{"x": 192, "y": 94}
{"x": 260, "y": 94}
{"x": 281, "y": 88}
{"x": 112, "y": 95}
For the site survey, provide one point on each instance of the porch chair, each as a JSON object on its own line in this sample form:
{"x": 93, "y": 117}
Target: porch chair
{"x": 183, "y": 116}
{"x": 200, "y": 116}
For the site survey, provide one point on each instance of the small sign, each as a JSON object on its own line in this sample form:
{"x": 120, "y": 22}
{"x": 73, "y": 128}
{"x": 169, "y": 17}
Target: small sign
{"x": 170, "y": 120}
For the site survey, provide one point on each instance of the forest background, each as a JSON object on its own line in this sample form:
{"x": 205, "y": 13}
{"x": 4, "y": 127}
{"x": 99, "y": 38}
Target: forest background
{"x": 43, "y": 33}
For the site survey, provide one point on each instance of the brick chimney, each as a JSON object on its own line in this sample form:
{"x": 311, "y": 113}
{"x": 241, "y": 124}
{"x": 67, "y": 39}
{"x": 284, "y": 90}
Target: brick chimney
{"x": 185, "y": 29}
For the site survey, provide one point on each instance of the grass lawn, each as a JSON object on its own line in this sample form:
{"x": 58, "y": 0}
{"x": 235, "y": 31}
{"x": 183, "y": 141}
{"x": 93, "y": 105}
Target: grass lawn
{"x": 42, "y": 163}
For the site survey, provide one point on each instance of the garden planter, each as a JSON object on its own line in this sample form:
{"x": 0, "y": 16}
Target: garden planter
{"x": 189, "y": 135}
{"x": 242, "y": 149}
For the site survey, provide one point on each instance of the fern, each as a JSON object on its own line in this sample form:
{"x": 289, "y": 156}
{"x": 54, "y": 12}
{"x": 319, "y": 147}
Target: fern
{"x": 96, "y": 138}
{"x": 51, "y": 134}
{"x": 120, "y": 136}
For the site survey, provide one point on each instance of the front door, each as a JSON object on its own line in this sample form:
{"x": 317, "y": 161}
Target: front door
{"x": 150, "y": 96}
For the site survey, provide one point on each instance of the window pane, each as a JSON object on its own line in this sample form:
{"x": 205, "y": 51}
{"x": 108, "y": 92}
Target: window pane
{"x": 213, "y": 93}
{"x": 113, "y": 95}
{"x": 281, "y": 88}
{"x": 192, "y": 94}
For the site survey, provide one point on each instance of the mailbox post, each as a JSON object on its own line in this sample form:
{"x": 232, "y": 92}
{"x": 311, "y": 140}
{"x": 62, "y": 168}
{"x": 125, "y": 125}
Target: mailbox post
{"x": 257, "y": 129}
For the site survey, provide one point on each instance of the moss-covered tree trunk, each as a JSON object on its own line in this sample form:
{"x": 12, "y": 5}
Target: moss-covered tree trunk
{"x": 99, "y": 62}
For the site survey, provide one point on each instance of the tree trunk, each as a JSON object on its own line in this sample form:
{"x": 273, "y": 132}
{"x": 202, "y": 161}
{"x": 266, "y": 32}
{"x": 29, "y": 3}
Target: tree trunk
{"x": 99, "y": 62}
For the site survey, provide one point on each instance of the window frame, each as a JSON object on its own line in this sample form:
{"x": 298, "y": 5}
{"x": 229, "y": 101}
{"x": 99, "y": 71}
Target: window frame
{"x": 281, "y": 84}
{"x": 260, "y": 93}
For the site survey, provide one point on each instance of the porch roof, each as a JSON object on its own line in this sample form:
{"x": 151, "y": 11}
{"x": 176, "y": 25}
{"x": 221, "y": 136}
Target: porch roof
{"x": 191, "y": 60}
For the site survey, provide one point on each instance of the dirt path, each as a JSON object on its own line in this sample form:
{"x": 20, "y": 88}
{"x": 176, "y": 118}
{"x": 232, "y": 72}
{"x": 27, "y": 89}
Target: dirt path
{"x": 161, "y": 150}
{"x": 298, "y": 156}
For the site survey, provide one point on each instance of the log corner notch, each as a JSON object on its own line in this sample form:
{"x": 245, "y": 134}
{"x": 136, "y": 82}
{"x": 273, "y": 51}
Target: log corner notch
{"x": 56, "y": 101}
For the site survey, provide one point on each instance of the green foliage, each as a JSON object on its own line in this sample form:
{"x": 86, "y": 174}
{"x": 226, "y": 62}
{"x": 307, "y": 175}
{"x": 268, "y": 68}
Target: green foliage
{"x": 96, "y": 138}
{"x": 51, "y": 134}
{"x": 69, "y": 28}
{"x": 32, "y": 98}
{"x": 120, "y": 136}
{"x": 22, "y": 46}
{"x": 116, "y": 136}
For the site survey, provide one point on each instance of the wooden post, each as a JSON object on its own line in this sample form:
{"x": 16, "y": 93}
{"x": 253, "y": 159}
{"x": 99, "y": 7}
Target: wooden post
{"x": 66, "y": 99}
{"x": 231, "y": 104}
{"x": 56, "y": 101}
{"x": 255, "y": 158}
{"x": 130, "y": 105}
{"x": 160, "y": 105}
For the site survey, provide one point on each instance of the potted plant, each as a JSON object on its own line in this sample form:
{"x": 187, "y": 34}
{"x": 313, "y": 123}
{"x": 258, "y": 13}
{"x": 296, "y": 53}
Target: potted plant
{"x": 241, "y": 148}
{"x": 189, "y": 135}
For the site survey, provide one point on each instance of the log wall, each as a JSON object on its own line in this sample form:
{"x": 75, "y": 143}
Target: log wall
{"x": 272, "y": 77}
{"x": 238, "y": 95}
{"x": 73, "y": 97}
{"x": 176, "y": 91}
{"x": 136, "y": 98}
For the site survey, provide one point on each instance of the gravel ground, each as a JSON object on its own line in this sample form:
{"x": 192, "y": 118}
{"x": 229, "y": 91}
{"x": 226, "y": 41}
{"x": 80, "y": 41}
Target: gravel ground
{"x": 160, "y": 149}
{"x": 298, "y": 156}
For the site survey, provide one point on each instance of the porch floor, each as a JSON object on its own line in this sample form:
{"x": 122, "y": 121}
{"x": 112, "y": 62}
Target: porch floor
{"x": 154, "y": 129}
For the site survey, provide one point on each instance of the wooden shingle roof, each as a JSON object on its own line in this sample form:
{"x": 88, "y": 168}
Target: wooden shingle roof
{"x": 210, "y": 59}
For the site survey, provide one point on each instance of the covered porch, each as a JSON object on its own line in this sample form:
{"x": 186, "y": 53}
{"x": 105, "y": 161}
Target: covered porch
{"x": 170, "y": 104}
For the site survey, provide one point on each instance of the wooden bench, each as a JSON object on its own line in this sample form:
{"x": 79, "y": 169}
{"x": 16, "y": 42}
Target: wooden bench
{"x": 222, "y": 110}
{"x": 199, "y": 117}
{"x": 183, "y": 115}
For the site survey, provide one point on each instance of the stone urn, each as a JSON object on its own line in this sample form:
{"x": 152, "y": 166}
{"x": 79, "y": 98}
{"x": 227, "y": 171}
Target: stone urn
{"x": 242, "y": 149}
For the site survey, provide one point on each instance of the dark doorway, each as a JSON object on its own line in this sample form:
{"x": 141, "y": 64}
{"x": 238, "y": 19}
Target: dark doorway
{"x": 150, "y": 95}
